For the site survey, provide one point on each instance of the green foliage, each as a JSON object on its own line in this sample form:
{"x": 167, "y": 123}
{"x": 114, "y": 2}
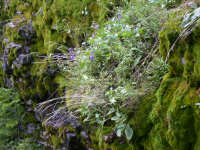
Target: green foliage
{"x": 111, "y": 64}
{"x": 28, "y": 144}
{"x": 121, "y": 45}
{"x": 10, "y": 115}
{"x": 71, "y": 20}
{"x": 155, "y": 72}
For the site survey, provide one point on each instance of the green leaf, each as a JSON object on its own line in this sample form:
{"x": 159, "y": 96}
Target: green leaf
{"x": 118, "y": 114}
{"x": 112, "y": 100}
{"x": 129, "y": 132}
{"x": 121, "y": 125}
{"x": 119, "y": 132}
{"x": 136, "y": 61}
{"x": 115, "y": 118}
{"x": 111, "y": 111}
{"x": 97, "y": 115}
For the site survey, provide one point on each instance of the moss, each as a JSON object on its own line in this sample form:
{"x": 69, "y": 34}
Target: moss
{"x": 56, "y": 141}
{"x": 173, "y": 113}
{"x": 167, "y": 120}
{"x": 171, "y": 123}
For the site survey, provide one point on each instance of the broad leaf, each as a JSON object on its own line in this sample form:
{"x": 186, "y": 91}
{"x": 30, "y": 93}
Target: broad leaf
{"x": 119, "y": 132}
{"x": 128, "y": 132}
{"x": 115, "y": 118}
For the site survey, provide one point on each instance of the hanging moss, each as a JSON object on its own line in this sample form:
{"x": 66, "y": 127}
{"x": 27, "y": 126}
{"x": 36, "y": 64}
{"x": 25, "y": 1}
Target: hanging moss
{"x": 174, "y": 113}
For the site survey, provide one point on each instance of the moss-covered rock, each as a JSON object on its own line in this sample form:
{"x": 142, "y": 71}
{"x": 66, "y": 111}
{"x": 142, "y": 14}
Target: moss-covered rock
{"x": 174, "y": 114}
{"x": 37, "y": 30}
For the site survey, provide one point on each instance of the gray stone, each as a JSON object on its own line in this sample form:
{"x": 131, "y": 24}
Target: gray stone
{"x": 11, "y": 46}
{"x": 30, "y": 128}
{"x": 6, "y": 67}
{"x": 24, "y": 59}
{"x": 29, "y": 102}
{"x": 8, "y": 83}
{"x": 27, "y": 33}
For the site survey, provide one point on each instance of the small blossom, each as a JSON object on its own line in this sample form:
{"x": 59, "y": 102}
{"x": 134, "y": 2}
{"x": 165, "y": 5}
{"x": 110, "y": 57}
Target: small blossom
{"x": 93, "y": 35}
{"x": 70, "y": 51}
{"x": 91, "y": 56}
{"x": 72, "y": 57}
{"x": 96, "y": 27}
{"x": 119, "y": 17}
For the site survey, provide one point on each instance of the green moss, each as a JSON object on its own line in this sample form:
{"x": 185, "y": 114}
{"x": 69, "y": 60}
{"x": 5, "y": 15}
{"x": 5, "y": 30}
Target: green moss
{"x": 174, "y": 117}
{"x": 167, "y": 120}
{"x": 56, "y": 141}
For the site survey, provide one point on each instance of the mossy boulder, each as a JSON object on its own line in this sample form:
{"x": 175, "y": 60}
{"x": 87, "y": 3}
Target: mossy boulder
{"x": 174, "y": 115}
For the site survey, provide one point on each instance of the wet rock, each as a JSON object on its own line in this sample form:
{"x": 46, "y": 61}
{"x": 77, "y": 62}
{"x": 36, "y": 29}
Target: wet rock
{"x": 26, "y": 75}
{"x": 21, "y": 127}
{"x": 29, "y": 102}
{"x": 29, "y": 109}
{"x": 22, "y": 50}
{"x": 37, "y": 116}
{"x": 30, "y": 128}
{"x": 51, "y": 71}
{"x": 62, "y": 118}
{"x": 27, "y": 33}
{"x": 84, "y": 135}
{"x": 11, "y": 46}
{"x": 24, "y": 59}
{"x": 8, "y": 83}
{"x": 5, "y": 67}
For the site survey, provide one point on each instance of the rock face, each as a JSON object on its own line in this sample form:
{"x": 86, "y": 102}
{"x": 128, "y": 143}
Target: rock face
{"x": 27, "y": 33}
{"x": 167, "y": 120}
{"x": 31, "y": 33}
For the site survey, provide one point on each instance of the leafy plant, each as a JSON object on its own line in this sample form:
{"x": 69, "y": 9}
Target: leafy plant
{"x": 10, "y": 115}
{"x": 109, "y": 67}
{"x": 123, "y": 43}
